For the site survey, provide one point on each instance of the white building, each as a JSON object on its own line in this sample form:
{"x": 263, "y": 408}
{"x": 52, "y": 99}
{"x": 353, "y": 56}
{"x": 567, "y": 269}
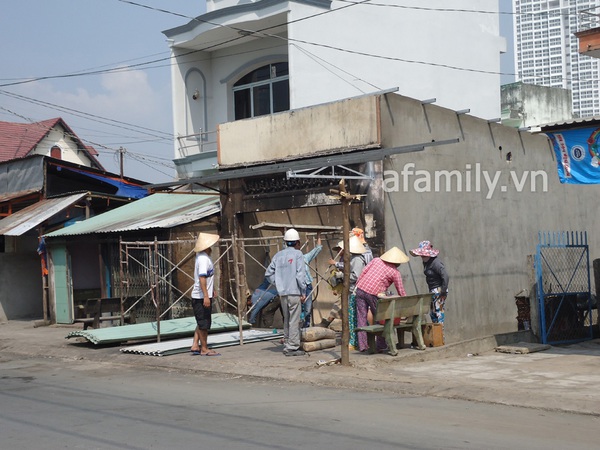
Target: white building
{"x": 546, "y": 49}
{"x": 245, "y": 58}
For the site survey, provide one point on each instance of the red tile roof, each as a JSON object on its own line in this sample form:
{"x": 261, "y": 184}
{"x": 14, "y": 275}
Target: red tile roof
{"x": 17, "y": 140}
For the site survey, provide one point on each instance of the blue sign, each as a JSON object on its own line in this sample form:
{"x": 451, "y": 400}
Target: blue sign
{"x": 577, "y": 155}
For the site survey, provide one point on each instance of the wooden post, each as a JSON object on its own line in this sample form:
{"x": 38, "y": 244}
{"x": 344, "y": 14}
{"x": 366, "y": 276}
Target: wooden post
{"x": 346, "y": 199}
{"x": 236, "y": 268}
{"x": 346, "y": 288}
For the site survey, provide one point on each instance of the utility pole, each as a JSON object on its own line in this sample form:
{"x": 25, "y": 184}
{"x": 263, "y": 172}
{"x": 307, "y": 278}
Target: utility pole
{"x": 121, "y": 155}
{"x": 346, "y": 198}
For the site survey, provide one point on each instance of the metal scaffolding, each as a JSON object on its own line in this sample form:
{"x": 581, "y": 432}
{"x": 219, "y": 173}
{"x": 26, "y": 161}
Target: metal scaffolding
{"x": 159, "y": 274}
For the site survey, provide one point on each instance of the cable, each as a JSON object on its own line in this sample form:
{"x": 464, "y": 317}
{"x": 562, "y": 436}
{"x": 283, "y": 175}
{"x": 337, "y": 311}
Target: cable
{"x": 475, "y": 11}
{"x": 45, "y": 128}
{"x": 77, "y": 113}
{"x": 261, "y": 31}
{"x": 322, "y": 63}
{"x": 101, "y": 148}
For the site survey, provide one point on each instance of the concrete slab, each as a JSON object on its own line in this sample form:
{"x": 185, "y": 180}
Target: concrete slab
{"x": 523, "y": 348}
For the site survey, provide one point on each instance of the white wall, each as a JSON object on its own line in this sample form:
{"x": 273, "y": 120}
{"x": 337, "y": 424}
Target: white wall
{"x": 430, "y": 39}
{"x": 448, "y": 55}
{"x": 59, "y": 137}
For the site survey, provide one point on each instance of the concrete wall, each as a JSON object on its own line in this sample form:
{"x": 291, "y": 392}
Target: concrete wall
{"x": 496, "y": 189}
{"x": 20, "y": 292}
{"x": 528, "y": 105}
{"x": 484, "y": 234}
{"x": 331, "y": 128}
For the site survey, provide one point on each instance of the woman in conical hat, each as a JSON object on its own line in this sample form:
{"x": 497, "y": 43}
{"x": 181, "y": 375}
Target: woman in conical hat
{"x": 375, "y": 279}
{"x": 436, "y": 277}
{"x": 359, "y": 232}
{"x": 395, "y": 256}
{"x": 357, "y": 264}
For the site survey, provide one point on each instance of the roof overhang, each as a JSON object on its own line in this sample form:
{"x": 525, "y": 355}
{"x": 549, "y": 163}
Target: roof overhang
{"x": 28, "y": 218}
{"x": 567, "y": 124}
{"x": 153, "y": 212}
{"x": 236, "y": 25}
{"x": 341, "y": 158}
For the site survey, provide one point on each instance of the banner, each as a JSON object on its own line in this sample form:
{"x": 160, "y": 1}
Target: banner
{"x": 577, "y": 155}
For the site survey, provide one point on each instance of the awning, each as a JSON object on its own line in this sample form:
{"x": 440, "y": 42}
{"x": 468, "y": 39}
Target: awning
{"x": 152, "y": 212}
{"x": 28, "y": 218}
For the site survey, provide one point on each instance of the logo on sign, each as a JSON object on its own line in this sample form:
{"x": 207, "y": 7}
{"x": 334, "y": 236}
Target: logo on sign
{"x": 577, "y": 153}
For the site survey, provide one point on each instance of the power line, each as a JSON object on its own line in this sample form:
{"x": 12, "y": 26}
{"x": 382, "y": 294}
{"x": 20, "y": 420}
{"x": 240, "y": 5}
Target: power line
{"x": 261, "y": 31}
{"x": 104, "y": 120}
{"x": 101, "y": 148}
{"x": 475, "y": 11}
{"x": 46, "y": 128}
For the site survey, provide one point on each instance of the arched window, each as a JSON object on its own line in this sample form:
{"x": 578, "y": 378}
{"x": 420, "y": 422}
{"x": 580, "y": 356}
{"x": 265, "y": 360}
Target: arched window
{"x": 56, "y": 152}
{"x": 263, "y": 91}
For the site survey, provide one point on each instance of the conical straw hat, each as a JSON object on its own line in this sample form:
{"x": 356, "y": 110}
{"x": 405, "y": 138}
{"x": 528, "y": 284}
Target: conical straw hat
{"x": 356, "y": 247}
{"x": 205, "y": 240}
{"x": 360, "y": 233}
{"x": 395, "y": 256}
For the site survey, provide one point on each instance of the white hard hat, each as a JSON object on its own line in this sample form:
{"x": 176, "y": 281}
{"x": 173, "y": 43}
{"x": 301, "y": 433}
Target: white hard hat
{"x": 291, "y": 235}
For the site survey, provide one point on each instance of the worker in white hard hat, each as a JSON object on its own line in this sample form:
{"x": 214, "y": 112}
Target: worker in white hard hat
{"x": 288, "y": 274}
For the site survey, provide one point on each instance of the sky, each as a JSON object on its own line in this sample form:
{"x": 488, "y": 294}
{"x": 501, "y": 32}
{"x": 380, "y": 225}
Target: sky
{"x": 50, "y": 49}
{"x": 130, "y": 108}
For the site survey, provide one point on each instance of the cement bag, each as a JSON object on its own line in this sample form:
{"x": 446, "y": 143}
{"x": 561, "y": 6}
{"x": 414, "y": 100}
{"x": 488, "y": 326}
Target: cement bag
{"x": 311, "y": 334}
{"x": 317, "y": 345}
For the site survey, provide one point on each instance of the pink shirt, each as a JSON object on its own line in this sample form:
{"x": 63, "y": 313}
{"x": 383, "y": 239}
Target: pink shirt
{"x": 378, "y": 276}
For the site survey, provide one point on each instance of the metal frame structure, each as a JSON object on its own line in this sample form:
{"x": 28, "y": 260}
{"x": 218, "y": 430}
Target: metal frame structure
{"x": 563, "y": 287}
{"x": 152, "y": 261}
{"x": 339, "y": 159}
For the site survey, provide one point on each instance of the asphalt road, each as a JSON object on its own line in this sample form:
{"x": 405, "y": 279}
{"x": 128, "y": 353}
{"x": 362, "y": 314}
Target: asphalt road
{"x": 45, "y": 403}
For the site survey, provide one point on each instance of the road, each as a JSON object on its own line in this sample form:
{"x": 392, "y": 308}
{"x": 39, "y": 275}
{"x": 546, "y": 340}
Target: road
{"x": 55, "y": 404}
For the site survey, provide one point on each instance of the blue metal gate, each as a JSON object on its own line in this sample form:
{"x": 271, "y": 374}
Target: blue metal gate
{"x": 563, "y": 285}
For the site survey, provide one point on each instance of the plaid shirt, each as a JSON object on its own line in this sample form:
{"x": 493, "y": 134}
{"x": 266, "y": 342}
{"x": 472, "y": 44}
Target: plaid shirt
{"x": 378, "y": 276}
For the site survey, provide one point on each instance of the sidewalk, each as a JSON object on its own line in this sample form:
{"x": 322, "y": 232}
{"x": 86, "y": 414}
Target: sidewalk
{"x": 561, "y": 378}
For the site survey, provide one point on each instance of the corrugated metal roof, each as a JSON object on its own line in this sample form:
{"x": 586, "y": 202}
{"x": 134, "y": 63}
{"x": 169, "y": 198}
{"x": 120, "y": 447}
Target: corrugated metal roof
{"x": 155, "y": 211}
{"x": 217, "y": 340}
{"x": 174, "y": 328}
{"x": 567, "y": 123}
{"x": 24, "y": 220}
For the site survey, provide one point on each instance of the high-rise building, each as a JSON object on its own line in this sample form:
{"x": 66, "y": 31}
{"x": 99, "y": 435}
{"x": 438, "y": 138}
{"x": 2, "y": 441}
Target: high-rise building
{"x": 546, "y": 49}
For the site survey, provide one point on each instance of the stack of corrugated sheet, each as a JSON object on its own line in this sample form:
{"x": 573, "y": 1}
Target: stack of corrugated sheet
{"x": 226, "y": 339}
{"x": 169, "y": 329}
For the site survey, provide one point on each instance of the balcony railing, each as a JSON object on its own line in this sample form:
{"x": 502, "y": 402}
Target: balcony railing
{"x": 193, "y": 144}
